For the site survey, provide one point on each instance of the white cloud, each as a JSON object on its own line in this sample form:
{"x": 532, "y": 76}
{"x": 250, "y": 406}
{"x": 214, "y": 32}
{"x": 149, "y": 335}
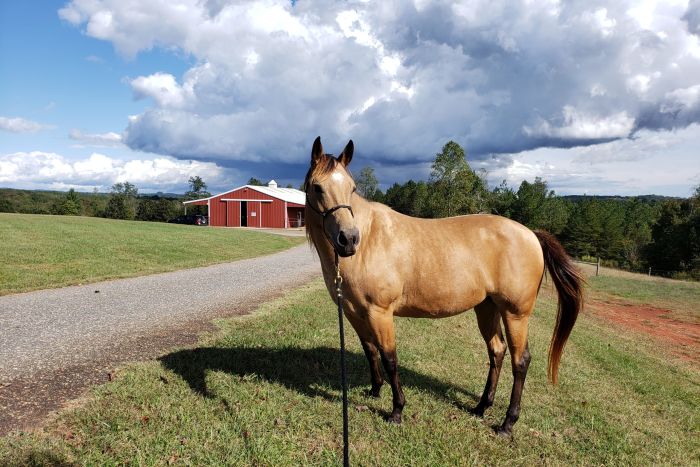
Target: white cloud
{"x": 652, "y": 162}
{"x": 580, "y": 126}
{"x": 96, "y": 139}
{"x": 401, "y": 78}
{"x": 20, "y": 125}
{"x": 48, "y": 170}
{"x": 163, "y": 89}
{"x": 680, "y": 99}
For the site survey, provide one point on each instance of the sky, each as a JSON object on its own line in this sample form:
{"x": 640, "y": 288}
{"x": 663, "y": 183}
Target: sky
{"x": 596, "y": 97}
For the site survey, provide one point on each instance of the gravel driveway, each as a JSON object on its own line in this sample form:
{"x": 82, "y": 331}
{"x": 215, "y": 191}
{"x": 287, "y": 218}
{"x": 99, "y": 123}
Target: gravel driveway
{"x": 55, "y": 343}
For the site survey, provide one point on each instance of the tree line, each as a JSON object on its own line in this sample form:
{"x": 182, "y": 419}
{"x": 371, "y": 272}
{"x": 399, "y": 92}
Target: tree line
{"x": 634, "y": 233}
{"x": 122, "y": 202}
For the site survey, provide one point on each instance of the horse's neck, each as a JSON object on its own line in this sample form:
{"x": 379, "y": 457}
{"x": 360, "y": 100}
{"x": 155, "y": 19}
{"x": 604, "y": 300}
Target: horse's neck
{"x": 365, "y": 218}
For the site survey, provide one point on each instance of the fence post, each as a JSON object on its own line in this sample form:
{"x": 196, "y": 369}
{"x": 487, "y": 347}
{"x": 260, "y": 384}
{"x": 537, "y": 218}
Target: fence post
{"x": 649, "y": 271}
{"x": 597, "y": 266}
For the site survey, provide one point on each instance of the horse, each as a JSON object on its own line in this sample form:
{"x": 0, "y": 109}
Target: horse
{"x": 395, "y": 265}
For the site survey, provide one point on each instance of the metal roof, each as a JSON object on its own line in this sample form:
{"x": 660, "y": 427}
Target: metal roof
{"x": 291, "y": 195}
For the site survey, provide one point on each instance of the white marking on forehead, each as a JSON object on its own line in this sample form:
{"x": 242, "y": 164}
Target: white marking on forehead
{"x": 337, "y": 176}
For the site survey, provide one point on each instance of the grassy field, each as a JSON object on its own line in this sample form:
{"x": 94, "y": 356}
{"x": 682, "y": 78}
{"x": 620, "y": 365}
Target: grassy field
{"x": 264, "y": 391}
{"x": 52, "y": 251}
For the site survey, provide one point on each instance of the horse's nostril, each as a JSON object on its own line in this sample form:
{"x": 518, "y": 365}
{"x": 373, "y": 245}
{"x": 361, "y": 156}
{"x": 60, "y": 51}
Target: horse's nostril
{"x": 355, "y": 239}
{"x": 342, "y": 239}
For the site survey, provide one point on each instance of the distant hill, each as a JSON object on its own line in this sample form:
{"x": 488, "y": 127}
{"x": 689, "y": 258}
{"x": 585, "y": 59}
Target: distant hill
{"x": 44, "y": 201}
{"x": 646, "y": 198}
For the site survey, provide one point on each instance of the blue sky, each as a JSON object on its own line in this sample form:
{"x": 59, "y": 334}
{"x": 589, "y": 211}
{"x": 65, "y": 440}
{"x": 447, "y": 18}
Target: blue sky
{"x": 598, "y": 98}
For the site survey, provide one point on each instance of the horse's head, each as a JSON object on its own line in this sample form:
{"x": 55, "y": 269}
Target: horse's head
{"x": 329, "y": 189}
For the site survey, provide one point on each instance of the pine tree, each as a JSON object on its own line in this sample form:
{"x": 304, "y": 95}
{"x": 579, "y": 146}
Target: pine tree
{"x": 71, "y": 205}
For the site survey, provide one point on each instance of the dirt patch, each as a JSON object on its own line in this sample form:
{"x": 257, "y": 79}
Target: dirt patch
{"x": 681, "y": 338}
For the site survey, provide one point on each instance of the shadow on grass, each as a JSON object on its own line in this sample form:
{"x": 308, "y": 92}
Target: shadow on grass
{"x": 313, "y": 372}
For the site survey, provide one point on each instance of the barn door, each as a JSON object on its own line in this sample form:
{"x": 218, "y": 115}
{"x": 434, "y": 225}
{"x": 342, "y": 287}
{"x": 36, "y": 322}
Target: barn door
{"x": 254, "y": 213}
{"x": 233, "y": 214}
{"x": 244, "y": 213}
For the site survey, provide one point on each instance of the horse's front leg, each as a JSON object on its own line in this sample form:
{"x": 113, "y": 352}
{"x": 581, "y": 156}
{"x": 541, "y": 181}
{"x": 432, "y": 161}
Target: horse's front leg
{"x": 363, "y": 331}
{"x": 372, "y": 355}
{"x": 383, "y": 327}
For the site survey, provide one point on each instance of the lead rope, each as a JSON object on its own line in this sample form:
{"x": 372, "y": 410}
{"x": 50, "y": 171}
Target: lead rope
{"x": 343, "y": 372}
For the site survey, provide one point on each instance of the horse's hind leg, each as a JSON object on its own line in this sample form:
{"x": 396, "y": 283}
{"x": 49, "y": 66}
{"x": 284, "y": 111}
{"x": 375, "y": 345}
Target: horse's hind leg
{"x": 489, "y": 320}
{"x": 516, "y": 333}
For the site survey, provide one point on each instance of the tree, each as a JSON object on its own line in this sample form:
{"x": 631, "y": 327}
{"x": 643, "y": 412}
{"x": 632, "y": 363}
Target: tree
{"x": 122, "y": 201}
{"x": 93, "y": 207}
{"x": 537, "y": 207}
{"x": 675, "y": 245}
{"x": 367, "y": 184}
{"x": 411, "y": 198}
{"x": 198, "y": 188}
{"x": 71, "y": 204}
{"x": 595, "y": 228}
{"x": 639, "y": 217}
{"x": 503, "y": 199}
{"x": 197, "y": 185}
{"x": 157, "y": 209}
{"x": 255, "y": 182}
{"x": 455, "y": 188}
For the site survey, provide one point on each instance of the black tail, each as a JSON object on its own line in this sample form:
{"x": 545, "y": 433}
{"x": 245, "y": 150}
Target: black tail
{"x": 569, "y": 284}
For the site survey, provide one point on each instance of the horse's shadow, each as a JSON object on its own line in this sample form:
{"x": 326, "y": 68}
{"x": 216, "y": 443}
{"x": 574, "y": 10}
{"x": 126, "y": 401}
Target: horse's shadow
{"x": 313, "y": 372}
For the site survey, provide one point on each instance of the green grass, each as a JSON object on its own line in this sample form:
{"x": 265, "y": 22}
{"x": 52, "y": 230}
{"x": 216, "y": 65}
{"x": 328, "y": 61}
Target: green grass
{"x": 40, "y": 252}
{"x": 265, "y": 391}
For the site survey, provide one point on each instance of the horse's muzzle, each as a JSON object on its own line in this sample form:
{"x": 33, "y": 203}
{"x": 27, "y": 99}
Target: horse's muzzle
{"x": 346, "y": 242}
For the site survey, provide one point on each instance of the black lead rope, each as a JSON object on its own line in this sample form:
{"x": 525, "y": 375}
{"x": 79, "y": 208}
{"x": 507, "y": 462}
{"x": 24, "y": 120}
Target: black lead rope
{"x": 343, "y": 371}
{"x": 339, "y": 296}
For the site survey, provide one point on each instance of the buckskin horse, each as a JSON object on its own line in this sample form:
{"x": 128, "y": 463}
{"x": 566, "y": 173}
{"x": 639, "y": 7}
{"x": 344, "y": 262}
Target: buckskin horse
{"x": 396, "y": 265}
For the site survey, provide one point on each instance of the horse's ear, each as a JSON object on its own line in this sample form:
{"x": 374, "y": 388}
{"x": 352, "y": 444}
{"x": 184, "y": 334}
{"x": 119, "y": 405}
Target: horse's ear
{"x": 316, "y": 150}
{"x": 346, "y": 156}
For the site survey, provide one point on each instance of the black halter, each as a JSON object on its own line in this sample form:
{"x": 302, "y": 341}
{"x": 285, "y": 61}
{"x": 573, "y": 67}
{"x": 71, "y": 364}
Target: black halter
{"x": 325, "y": 213}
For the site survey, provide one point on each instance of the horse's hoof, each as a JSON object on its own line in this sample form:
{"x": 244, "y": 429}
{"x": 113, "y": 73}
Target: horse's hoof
{"x": 478, "y": 411}
{"x": 394, "y": 419}
{"x": 504, "y": 433}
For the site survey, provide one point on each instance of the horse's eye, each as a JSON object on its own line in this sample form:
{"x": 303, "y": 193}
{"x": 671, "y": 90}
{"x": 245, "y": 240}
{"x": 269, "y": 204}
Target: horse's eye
{"x": 318, "y": 189}
{"x": 354, "y": 189}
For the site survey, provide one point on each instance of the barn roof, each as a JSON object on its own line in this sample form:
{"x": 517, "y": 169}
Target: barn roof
{"x": 291, "y": 195}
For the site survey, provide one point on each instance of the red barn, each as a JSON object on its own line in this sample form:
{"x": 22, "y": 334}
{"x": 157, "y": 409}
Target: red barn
{"x": 255, "y": 206}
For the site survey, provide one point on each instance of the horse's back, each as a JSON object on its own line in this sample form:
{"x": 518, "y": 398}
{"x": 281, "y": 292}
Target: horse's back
{"x": 451, "y": 264}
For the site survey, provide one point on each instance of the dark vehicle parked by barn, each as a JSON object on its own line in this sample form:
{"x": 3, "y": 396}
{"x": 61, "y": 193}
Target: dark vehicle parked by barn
{"x": 191, "y": 219}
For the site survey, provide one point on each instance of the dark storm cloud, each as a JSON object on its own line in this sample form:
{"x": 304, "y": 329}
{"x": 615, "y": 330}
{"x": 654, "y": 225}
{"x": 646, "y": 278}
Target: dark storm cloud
{"x": 692, "y": 17}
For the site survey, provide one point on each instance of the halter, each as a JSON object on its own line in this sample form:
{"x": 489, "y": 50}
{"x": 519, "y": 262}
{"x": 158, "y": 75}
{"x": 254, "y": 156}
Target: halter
{"x": 325, "y": 213}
